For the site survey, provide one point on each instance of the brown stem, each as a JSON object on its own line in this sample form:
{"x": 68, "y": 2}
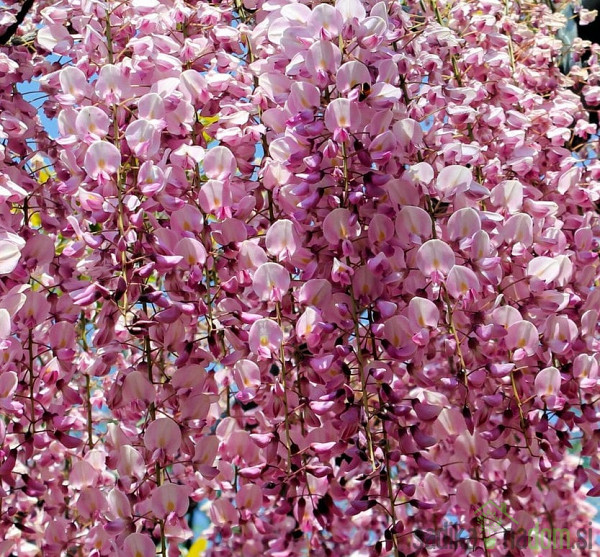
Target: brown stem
{"x": 19, "y": 18}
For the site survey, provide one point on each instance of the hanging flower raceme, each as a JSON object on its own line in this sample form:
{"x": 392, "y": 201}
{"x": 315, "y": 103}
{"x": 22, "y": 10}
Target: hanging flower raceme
{"x": 324, "y": 273}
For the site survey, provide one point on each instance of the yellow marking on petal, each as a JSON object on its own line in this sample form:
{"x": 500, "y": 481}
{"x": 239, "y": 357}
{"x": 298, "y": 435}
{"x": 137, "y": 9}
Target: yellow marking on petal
{"x": 264, "y": 340}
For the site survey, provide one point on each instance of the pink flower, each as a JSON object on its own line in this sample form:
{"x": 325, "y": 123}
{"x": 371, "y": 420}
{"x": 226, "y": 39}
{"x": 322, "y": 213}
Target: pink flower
{"x": 170, "y": 498}
{"x": 462, "y": 281}
{"x": 91, "y": 123}
{"x": 341, "y": 117}
{"x": 463, "y": 223}
{"x": 435, "y": 258}
{"x": 151, "y": 178}
{"x": 151, "y": 107}
{"x": 130, "y": 463}
{"x": 10, "y": 252}
{"x": 587, "y": 16}
{"x": 102, "y": 161}
{"x": 249, "y": 498}
{"x": 91, "y": 502}
{"x": 471, "y": 493}
{"x": 523, "y": 337}
{"x": 5, "y": 324}
{"x": 350, "y": 9}
{"x": 143, "y": 139}
{"x": 519, "y": 229}
{"x": 138, "y": 545}
{"x": 215, "y": 197}
{"x": 508, "y": 194}
{"x": 340, "y": 225}
{"x": 547, "y": 387}
{"x": 74, "y": 85}
{"x": 282, "y": 241}
{"x": 265, "y": 338}
{"x": 113, "y": 84}
{"x": 137, "y": 388}
{"x": 453, "y": 179}
{"x": 308, "y": 325}
{"x": 423, "y": 315}
{"x": 560, "y": 333}
{"x": 247, "y": 378}
{"x": 271, "y": 282}
{"x": 326, "y": 22}
{"x": 163, "y": 434}
{"x": 396, "y": 331}
{"x": 192, "y": 251}
{"x": 412, "y": 225}
{"x": 381, "y": 229}
{"x": 315, "y": 292}
{"x": 8, "y": 384}
{"x": 219, "y": 163}
{"x": 322, "y": 60}
{"x": 119, "y": 504}
{"x": 544, "y": 268}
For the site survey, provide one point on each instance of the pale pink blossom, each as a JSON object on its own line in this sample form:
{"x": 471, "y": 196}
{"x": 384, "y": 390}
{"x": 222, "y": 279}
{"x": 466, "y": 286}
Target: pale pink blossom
{"x": 102, "y": 161}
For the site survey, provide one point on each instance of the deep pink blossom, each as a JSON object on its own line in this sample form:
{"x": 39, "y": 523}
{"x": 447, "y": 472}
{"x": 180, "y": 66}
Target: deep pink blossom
{"x": 325, "y": 272}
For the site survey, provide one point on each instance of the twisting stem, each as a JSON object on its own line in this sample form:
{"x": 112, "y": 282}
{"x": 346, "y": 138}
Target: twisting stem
{"x": 483, "y": 530}
{"x": 89, "y": 411}
{"x": 454, "y": 332}
{"x": 116, "y": 143}
{"x": 152, "y": 413}
{"x": 31, "y": 381}
{"x": 355, "y": 317}
{"x": 363, "y": 380}
{"x": 288, "y": 439}
{"x": 345, "y": 171}
{"x": 511, "y": 50}
{"x": 390, "y": 490}
{"x": 522, "y": 421}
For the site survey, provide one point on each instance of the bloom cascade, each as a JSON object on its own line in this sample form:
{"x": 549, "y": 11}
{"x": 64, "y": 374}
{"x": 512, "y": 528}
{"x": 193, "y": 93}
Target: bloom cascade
{"x": 327, "y": 270}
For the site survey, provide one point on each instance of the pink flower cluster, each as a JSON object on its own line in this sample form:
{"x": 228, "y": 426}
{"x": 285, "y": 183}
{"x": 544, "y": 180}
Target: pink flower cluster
{"x": 327, "y": 270}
